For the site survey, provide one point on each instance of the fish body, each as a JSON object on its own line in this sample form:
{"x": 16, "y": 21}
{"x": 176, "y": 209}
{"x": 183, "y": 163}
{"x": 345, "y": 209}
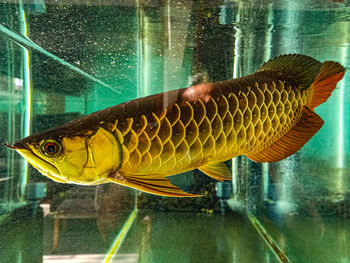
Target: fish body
{"x": 265, "y": 116}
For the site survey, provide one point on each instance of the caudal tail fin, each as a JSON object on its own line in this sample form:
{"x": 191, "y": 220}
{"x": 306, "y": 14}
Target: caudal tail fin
{"x": 308, "y": 73}
{"x": 325, "y": 82}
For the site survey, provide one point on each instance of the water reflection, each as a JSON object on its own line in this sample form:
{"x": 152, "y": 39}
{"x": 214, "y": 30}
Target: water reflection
{"x": 187, "y": 237}
{"x": 101, "y": 211}
{"x": 307, "y": 243}
{"x": 21, "y": 236}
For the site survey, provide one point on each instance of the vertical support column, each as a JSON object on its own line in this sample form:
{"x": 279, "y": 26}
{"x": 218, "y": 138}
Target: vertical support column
{"x": 278, "y": 191}
{"x": 27, "y": 95}
{"x": 341, "y": 182}
{"x": 247, "y": 176}
{"x": 253, "y": 49}
{"x": 238, "y": 36}
{"x": 341, "y": 186}
{"x": 139, "y": 13}
{"x": 8, "y": 193}
{"x": 152, "y": 50}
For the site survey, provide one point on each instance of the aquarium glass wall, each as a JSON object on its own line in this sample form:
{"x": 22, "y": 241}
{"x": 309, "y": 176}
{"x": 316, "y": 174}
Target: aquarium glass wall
{"x": 60, "y": 60}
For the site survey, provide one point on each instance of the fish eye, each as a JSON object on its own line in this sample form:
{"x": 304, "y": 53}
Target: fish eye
{"x": 50, "y": 148}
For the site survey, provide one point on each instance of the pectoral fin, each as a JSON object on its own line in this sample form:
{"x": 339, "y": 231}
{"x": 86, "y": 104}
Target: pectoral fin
{"x": 218, "y": 171}
{"x": 153, "y": 184}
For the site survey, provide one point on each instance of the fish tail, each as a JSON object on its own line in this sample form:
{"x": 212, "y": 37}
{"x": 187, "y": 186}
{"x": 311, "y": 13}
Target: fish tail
{"x": 308, "y": 73}
{"x": 325, "y": 82}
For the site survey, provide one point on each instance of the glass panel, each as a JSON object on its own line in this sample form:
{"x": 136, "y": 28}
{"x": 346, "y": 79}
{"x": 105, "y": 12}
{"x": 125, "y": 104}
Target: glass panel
{"x": 13, "y": 106}
{"x": 185, "y": 43}
{"x": 49, "y": 77}
{"x": 61, "y": 60}
{"x": 303, "y": 201}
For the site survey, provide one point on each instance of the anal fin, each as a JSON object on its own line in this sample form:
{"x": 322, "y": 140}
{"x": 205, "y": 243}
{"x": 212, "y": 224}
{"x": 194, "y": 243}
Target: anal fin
{"x": 153, "y": 184}
{"x": 292, "y": 141}
{"x": 217, "y": 170}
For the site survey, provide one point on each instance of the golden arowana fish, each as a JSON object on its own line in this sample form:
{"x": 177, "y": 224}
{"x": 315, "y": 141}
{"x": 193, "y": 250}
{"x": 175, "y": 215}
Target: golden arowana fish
{"x": 265, "y": 116}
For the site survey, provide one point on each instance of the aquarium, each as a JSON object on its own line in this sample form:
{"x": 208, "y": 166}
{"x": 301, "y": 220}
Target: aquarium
{"x": 60, "y": 60}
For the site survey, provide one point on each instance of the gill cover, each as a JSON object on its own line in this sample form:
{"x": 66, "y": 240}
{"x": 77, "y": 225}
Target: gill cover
{"x": 104, "y": 156}
{"x": 79, "y": 159}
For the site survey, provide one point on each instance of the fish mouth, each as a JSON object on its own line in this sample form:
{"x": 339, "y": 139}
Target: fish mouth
{"x": 13, "y": 147}
{"x": 42, "y": 166}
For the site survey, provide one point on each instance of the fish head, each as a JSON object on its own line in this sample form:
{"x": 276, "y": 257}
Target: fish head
{"x": 70, "y": 156}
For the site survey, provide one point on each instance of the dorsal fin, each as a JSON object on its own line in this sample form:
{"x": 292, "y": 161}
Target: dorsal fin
{"x": 291, "y": 142}
{"x": 302, "y": 69}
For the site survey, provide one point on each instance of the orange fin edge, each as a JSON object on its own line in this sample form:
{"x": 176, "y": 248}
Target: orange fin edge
{"x": 152, "y": 184}
{"x": 325, "y": 82}
{"x": 292, "y": 141}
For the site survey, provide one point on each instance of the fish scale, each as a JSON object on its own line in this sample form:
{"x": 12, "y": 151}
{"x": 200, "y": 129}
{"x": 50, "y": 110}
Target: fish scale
{"x": 266, "y": 116}
{"x": 242, "y": 120}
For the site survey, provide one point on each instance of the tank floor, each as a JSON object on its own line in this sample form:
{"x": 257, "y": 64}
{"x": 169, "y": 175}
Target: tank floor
{"x": 160, "y": 237}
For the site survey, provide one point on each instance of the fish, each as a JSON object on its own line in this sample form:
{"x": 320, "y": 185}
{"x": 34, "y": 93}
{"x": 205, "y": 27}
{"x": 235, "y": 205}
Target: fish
{"x": 265, "y": 116}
